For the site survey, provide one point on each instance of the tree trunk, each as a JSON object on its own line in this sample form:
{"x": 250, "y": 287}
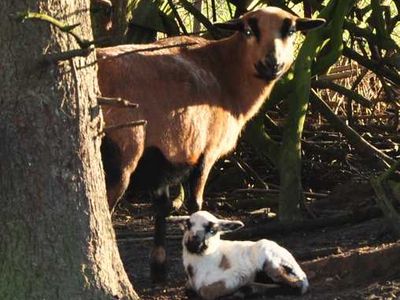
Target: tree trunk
{"x": 56, "y": 236}
{"x": 291, "y": 196}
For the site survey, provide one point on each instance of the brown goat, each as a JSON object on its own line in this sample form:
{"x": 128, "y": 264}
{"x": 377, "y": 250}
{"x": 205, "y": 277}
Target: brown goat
{"x": 196, "y": 96}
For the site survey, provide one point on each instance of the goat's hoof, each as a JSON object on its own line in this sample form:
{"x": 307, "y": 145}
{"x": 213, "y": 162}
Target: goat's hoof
{"x": 158, "y": 272}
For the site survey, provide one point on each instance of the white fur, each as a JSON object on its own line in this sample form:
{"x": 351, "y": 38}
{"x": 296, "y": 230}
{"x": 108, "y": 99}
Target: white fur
{"x": 245, "y": 258}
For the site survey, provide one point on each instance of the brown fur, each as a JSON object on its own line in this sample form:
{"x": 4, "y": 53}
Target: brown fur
{"x": 214, "y": 290}
{"x": 195, "y": 94}
{"x": 195, "y": 98}
{"x": 224, "y": 264}
{"x": 281, "y": 275}
{"x": 158, "y": 254}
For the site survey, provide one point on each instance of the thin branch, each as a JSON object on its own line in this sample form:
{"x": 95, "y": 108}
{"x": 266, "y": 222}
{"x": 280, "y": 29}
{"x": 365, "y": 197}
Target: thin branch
{"x": 22, "y": 16}
{"x": 372, "y": 65}
{"x": 177, "y": 16}
{"x": 382, "y": 41}
{"x": 326, "y": 84}
{"x": 269, "y": 229}
{"x": 214, "y": 11}
{"x": 353, "y": 137}
{"x": 56, "y": 57}
{"x": 247, "y": 169}
{"x": 125, "y": 125}
{"x": 215, "y": 33}
{"x": 276, "y": 191}
{"x": 116, "y": 102}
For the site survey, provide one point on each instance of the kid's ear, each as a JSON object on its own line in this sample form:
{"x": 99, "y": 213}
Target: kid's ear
{"x": 228, "y": 225}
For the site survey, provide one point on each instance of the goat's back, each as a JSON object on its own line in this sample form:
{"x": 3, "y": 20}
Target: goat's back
{"x": 178, "y": 94}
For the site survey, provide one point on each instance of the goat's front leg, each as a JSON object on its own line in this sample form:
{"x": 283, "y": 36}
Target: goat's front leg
{"x": 162, "y": 208}
{"x": 197, "y": 182}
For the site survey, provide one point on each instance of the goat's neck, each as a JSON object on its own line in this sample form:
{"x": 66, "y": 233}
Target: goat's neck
{"x": 244, "y": 91}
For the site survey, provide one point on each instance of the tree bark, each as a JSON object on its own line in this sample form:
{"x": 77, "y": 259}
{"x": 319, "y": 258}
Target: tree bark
{"x": 56, "y": 236}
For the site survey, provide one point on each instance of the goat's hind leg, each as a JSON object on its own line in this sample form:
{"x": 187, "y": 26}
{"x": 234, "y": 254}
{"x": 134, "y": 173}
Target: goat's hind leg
{"x": 196, "y": 183}
{"x": 162, "y": 208}
{"x": 120, "y": 164}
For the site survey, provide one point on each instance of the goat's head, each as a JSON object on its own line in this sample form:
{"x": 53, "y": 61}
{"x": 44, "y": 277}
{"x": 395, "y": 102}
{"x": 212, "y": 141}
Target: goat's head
{"x": 269, "y": 37}
{"x": 203, "y": 231}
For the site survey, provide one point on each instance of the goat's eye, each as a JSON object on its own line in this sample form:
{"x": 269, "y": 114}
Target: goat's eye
{"x": 291, "y": 31}
{"x": 288, "y": 270}
{"x": 248, "y": 32}
{"x": 288, "y": 28}
{"x": 210, "y": 228}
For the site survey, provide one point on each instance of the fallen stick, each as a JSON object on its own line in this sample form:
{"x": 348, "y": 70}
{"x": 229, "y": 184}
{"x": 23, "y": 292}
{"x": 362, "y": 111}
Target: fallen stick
{"x": 266, "y": 230}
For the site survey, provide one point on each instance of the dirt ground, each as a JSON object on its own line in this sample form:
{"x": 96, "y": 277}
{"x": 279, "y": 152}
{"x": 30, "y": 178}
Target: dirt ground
{"x": 346, "y": 247}
{"x": 329, "y": 255}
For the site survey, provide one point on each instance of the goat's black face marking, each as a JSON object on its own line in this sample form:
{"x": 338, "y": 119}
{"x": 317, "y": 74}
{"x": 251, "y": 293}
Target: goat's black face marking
{"x": 288, "y": 270}
{"x": 288, "y": 28}
{"x": 196, "y": 245}
{"x": 269, "y": 69}
{"x": 253, "y": 23}
{"x": 210, "y": 228}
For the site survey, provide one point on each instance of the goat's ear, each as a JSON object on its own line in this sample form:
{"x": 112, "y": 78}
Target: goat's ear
{"x": 227, "y": 225}
{"x": 305, "y": 24}
{"x": 180, "y": 220}
{"x": 234, "y": 24}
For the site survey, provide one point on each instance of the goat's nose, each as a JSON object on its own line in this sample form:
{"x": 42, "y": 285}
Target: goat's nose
{"x": 269, "y": 68}
{"x": 195, "y": 238}
{"x": 194, "y": 244}
{"x": 304, "y": 286}
{"x": 272, "y": 62}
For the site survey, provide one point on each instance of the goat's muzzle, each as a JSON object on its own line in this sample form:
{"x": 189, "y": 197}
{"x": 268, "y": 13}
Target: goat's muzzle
{"x": 196, "y": 244}
{"x": 269, "y": 69}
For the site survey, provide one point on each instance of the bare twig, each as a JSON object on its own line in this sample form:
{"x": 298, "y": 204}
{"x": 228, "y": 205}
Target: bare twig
{"x": 354, "y": 138}
{"x": 56, "y": 57}
{"x": 22, "y": 16}
{"x": 177, "y": 16}
{"x": 116, "y": 102}
{"x": 215, "y": 33}
{"x": 326, "y": 84}
{"x": 125, "y": 125}
{"x": 263, "y": 230}
{"x": 372, "y": 65}
{"x": 247, "y": 169}
{"x": 276, "y": 191}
